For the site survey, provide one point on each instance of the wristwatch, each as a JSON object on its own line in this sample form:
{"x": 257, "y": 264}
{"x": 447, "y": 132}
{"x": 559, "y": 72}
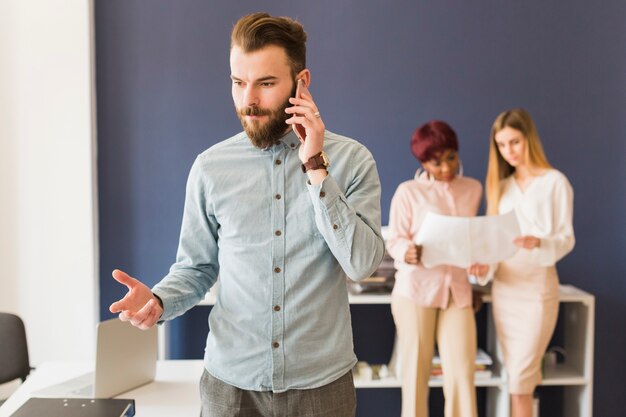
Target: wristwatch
{"x": 317, "y": 161}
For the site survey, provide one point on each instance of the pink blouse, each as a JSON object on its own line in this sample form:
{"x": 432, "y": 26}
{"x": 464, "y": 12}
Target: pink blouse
{"x": 429, "y": 287}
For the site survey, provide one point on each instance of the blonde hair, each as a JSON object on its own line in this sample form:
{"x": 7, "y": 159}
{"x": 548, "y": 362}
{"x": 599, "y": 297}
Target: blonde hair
{"x": 498, "y": 168}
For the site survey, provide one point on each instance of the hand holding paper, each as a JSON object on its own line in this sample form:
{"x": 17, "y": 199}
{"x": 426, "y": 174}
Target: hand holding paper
{"x": 463, "y": 241}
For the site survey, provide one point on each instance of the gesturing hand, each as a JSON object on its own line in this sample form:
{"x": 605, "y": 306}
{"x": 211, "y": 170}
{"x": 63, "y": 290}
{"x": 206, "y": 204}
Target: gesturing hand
{"x": 139, "y": 305}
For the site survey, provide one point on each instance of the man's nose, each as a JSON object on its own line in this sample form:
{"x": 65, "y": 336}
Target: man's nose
{"x": 250, "y": 97}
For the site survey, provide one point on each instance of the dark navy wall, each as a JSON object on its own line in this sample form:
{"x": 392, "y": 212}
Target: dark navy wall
{"x": 378, "y": 70}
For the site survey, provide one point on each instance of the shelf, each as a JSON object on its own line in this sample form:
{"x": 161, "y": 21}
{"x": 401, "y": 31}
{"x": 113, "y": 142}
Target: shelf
{"x": 392, "y": 382}
{"x": 575, "y": 376}
{"x": 567, "y": 294}
{"x": 571, "y": 294}
{"x": 369, "y": 298}
{"x": 563, "y": 375}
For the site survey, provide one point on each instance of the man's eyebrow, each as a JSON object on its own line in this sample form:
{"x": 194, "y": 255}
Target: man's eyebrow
{"x": 258, "y": 80}
{"x": 268, "y": 78}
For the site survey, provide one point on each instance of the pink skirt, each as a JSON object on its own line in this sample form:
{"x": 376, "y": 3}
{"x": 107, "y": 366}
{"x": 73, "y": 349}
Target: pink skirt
{"x": 525, "y": 310}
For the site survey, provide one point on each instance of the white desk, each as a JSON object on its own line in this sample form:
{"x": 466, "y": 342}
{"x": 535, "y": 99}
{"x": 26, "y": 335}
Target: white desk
{"x": 175, "y": 391}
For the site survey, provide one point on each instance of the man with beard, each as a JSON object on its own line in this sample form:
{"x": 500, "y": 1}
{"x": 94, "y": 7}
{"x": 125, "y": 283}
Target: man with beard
{"x": 284, "y": 229}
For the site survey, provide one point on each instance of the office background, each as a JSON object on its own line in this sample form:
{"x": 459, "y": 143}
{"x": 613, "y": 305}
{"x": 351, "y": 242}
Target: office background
{"x": 379, "y": 70}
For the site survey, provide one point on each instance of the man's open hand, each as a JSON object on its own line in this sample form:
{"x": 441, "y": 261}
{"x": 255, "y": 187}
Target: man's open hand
{"x": 139, "y": 305}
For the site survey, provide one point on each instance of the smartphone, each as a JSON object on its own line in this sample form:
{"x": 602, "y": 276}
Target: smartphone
{"x": 298, "y": 128}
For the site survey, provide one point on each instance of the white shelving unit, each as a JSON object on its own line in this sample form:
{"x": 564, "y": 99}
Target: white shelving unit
{"x": 575, "y": 374}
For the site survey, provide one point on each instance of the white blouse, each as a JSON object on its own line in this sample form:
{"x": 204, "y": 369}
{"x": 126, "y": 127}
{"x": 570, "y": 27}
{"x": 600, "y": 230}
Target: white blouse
{"x": 545, "y": 210}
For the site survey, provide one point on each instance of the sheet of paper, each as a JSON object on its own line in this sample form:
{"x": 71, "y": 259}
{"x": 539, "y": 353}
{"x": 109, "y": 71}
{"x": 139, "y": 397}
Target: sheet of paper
{"x": 463, "y": 241}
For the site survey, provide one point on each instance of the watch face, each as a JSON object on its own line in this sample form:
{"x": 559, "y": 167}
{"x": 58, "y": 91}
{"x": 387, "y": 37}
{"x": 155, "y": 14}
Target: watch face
{"x": 325, "y": 160}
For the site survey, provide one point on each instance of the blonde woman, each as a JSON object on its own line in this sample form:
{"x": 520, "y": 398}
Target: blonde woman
{"x": 433, "y": 304}
{"x": 526, "y": 287}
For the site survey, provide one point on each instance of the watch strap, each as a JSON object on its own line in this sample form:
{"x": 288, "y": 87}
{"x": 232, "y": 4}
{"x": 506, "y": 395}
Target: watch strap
{"x": 317, "y": 161}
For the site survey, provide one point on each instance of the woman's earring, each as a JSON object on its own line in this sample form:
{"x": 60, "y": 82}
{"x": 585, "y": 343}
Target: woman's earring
{"x": 460, "y": 169}
{"x": 420, "y": 171}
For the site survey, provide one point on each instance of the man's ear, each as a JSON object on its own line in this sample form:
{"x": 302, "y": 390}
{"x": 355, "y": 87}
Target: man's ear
{"x": 304, "y": 75}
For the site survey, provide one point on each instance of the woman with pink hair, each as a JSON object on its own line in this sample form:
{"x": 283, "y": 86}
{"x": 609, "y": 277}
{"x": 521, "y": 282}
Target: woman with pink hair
{"x": 433, "y": 304}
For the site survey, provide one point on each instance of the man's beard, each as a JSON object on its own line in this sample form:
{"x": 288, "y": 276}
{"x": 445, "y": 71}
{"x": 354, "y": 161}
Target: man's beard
{"x": 265, "y": 134}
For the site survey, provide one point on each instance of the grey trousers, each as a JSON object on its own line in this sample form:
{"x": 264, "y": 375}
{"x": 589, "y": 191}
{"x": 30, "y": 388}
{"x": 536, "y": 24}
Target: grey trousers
{"x": 337, "y": 399}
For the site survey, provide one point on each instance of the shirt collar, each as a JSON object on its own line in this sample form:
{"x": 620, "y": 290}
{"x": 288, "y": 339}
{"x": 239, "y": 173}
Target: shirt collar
{"x": 289, "y": 141}
{"x": 422, "y": 176}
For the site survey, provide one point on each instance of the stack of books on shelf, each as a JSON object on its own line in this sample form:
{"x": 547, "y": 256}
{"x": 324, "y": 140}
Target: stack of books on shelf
{"x": 366, "y": 372}
{"x": 483, "y": 365}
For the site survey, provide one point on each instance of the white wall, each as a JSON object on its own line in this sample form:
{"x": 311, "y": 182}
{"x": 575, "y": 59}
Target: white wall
{"x": 48, "y": 235}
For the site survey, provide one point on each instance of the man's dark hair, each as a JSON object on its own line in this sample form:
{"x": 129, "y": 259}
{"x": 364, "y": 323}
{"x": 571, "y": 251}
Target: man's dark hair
{"x": 258, "y": 30}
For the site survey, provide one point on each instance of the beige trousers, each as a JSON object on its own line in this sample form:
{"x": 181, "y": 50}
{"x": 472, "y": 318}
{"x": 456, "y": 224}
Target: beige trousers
{"x": 455, "y": 332}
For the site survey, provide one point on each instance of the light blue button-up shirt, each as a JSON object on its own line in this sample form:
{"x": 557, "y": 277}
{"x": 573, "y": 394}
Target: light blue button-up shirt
{"x": 283, "y": 249}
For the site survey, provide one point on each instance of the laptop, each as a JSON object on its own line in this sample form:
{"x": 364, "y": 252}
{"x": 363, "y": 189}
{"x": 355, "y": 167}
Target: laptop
{"x": 125, "y": 359}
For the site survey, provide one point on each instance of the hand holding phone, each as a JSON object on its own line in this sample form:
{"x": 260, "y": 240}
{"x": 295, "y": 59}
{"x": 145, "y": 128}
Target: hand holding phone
{"x": 298, "y": 128}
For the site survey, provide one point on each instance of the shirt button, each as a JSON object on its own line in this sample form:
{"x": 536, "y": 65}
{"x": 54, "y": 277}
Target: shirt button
{"x": 293, "y": 145}
{"x": 322, "y": 194}
{"x": 277, "y": 270}
{"x": 276, "y": 345}
{"x": 276, "y": 308}
{"x": 278, "y": 162}
{"x": 277, "y": 233}
{"x": 277, "y": 196}
{"x": 335, "y": 227}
